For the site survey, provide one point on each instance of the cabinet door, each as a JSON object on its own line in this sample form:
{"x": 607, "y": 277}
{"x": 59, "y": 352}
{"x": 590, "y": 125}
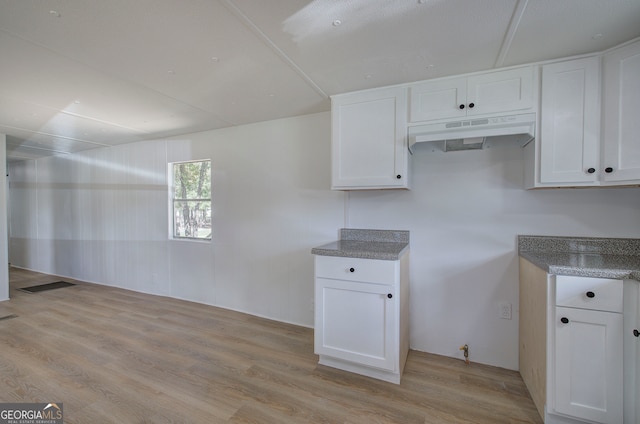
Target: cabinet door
{"x": 631, "y": 352}
{"x": 621, "y": 86}
{"x": 588, "y": 364}
{"x": 569, "y": 139}
{"x": 355, "y": 322}
{"x": 502, "y": 91}
{"x": 439, "y": 99}
{"x": 368, "y": 135}
{"x": 636, "y": 340}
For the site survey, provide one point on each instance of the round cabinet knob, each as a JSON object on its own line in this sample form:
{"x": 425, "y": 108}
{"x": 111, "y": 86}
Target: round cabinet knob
{"x": 636, "y": 332}
{"x": 352, "y": 270}
{"x": 461, "y": 106}
{"x": 399, "y": 176}
{"x": 564, "y": 320}
{"x": 591, "y": 170}
{"x": 608, "y": 170}
{"x": 591, "y": 294}
{"x": 389, "y": 295}
{"x": 471, "y": 105}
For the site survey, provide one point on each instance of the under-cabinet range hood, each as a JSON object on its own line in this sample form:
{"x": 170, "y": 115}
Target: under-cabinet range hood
{"x": 473, "y": 133}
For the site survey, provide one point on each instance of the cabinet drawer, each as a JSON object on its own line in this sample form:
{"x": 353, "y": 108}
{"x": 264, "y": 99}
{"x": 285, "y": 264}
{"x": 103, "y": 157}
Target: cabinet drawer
{"x": 356, "y": 269}
{"x": 602, "y": 294}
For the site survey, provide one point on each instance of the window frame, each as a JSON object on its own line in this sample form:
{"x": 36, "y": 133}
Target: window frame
{"x": 172, "y": 201}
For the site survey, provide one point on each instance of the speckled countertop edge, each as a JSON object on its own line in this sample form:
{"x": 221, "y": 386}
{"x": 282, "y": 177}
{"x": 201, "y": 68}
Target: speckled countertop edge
{"x": 583, "y": 256}
{"x": 390, "y": 236}
{"x": 599, "y": 245}
{"x": 366, "y": 244}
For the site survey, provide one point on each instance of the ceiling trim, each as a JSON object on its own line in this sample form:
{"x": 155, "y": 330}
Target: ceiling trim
{"x": 511, "y": 32}
{"x": 24, "y": 146}
{"x": 277, "y": 50}
{"x": 79, "y": 140}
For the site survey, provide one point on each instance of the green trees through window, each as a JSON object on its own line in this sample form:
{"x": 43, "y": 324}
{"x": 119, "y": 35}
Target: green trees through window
{"x": 191, "y": 198}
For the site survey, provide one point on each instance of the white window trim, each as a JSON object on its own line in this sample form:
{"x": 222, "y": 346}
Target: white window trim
{"x": 171, "y": 200}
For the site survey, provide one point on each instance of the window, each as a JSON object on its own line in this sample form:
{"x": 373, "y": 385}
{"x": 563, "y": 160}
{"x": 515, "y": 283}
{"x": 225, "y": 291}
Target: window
{"x": 191, "y": 199}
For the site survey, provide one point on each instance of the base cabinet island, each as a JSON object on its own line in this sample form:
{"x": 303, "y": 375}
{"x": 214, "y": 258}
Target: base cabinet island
{"x": 362, "y": 303}
{"x": 579, "y": 321}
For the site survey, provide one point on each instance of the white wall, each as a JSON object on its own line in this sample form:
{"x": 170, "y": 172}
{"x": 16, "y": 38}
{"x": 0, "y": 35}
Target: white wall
{"x": 464, "y": 213}
{"x": 102, "y": 216}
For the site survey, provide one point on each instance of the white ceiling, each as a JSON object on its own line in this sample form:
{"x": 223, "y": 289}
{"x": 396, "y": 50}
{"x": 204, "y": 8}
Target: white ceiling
{"x": 80, "y": 74}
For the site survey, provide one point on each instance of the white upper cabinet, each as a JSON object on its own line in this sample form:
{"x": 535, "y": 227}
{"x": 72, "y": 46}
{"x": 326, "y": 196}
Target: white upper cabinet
{"x": 501, "y": 92}
{"x": 439, "y": 99}
{"x": 587, "y": 112}
{"x": 621, "y": 111}
{"x": 569, "y": 137}
{"x": 589, "y": 124}
{"x": 368, "y": 139}
{"x": 480, "y": 94}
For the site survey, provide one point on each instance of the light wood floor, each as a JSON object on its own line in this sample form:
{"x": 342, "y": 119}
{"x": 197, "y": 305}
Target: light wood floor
{"x": 116, "y": 356}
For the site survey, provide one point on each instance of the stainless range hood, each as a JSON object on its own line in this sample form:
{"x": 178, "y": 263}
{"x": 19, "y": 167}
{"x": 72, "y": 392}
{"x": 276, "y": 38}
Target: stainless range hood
{"x": 473, "y": 133}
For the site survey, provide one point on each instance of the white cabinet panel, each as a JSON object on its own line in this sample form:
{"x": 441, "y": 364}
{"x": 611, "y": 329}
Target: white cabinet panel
{"x": 588, "y": 364}
{"x": 368, "y": 140}
{"x": 501, "y": 91}
{"x": 440, "y": 99}
{"x": 356, "y": 322}
{"x": 631, "y": 337}
{"x": 569, "y": 139}
{"x": 372, "y": 271}
{"x": 636, "y": 340}
{"x": 482, "y": 94}
{"x": 621, "y": 88}
{"x": 601, "y": 294}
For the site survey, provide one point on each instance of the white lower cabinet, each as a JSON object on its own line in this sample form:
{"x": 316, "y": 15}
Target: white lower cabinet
{"x": 577, "y": 356}
{"x": 588, "y": 364}
{"x": 361, "y": 315}
{"x": 587, "y": 355}
{"x": 356, "y": 322}
{"x": 631, "y": 336}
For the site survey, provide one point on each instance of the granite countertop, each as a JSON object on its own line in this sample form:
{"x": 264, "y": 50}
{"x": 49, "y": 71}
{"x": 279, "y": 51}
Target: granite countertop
{"x": 583, "y": 257}
{"x": 366, "y": 244}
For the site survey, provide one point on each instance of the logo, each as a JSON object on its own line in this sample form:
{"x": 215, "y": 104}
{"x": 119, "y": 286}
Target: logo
{"x": 31, "y": 413}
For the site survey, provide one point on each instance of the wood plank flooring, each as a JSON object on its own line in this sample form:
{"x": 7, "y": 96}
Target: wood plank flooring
{"x": 117, "y": 356}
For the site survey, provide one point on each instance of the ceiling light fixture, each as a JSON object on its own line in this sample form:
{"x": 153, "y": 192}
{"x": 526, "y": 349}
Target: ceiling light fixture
{"x": 215, "y": 59}
{"x": 336, "y": 22}
{"x": 55, "y": 13}
{"x": 596, "y": 36}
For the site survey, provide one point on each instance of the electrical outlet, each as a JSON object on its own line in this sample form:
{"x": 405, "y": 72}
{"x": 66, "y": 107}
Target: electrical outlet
{"x": 504, "y": 310}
